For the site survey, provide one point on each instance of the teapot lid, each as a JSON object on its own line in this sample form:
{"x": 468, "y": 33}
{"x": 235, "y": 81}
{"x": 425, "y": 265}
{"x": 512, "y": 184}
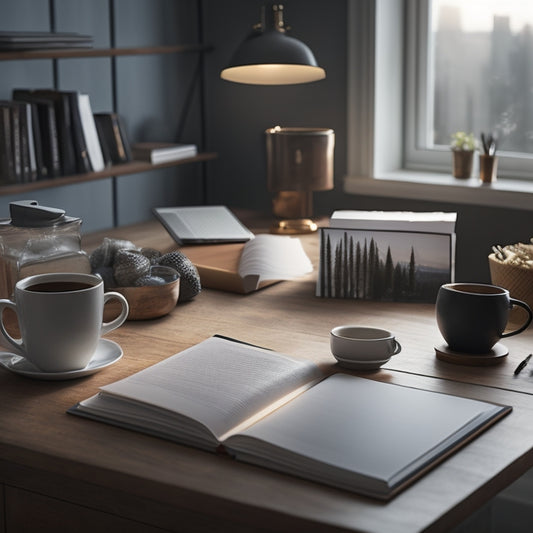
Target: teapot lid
{"x": 28, "y": 213}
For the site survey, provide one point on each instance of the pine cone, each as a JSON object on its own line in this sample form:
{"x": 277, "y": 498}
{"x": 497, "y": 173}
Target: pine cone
{"x": 128, "y": 266}
{"x": 152, "y": 254}
{"x": 190, "y": 279}
{"x": 104, "y": 255}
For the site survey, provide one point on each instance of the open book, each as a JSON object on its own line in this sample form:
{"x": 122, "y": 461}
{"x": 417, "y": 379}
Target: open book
{"x": 268, "y": 409}
{"x": 244, "y": 268}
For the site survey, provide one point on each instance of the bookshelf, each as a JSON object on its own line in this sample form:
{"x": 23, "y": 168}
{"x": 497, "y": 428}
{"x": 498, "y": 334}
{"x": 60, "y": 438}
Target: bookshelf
{"x": 130, "y": 168}
{"x": 102, "y": 52}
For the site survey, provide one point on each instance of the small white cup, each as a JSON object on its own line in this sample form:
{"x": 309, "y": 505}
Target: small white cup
{"x": 60, "y": 318}
{"x": 363, "y": 344}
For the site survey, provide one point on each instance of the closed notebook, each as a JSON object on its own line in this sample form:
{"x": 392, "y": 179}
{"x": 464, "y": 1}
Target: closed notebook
{"x": 202, "y": 224}
{"x": 160, "y": 152}
{"x": 269, "y": 409}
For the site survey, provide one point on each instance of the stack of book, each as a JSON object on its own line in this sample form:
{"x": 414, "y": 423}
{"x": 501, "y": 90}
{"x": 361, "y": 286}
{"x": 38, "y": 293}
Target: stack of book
{"x": 40, "y": 40}
{"x": 46, "y": 133}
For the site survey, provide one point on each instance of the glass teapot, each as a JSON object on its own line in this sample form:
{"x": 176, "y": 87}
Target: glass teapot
{"x": 38, "y": 239}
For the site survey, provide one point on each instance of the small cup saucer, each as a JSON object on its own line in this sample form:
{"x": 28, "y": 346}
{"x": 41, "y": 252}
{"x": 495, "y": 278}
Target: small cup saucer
{"x": 352, "y": 364}
{"x": 107, "y": 353}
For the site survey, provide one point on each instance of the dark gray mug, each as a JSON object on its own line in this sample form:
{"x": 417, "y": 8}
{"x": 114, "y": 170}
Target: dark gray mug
{"x": 472, "y": 317}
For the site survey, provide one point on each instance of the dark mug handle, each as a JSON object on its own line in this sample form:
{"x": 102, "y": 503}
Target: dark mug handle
{"x": 528, "y": 321}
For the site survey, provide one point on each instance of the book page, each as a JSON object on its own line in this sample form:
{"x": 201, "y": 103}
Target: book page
{"x": 274, "y": 257}
{"x": 219, "y": 383}
{"x": 360, "y": 434}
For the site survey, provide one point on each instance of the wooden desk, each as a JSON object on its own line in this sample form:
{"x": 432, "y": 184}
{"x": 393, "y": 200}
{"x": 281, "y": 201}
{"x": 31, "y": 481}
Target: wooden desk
{"x": 75, "y": 474}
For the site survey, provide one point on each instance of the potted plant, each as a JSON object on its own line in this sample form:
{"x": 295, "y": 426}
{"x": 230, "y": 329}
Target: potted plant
{"x": 463, "y": 146}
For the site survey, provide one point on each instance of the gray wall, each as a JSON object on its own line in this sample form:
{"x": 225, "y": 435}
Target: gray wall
{"x": 151, "y": 94}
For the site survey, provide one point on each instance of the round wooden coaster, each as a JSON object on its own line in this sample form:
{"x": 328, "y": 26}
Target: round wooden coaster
{"x": 495, "y": 356}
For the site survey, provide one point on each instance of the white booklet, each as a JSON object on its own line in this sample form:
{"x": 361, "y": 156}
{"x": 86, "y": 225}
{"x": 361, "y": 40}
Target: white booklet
{"x": 430, "y": 221}
{"x": 266, "y": 408}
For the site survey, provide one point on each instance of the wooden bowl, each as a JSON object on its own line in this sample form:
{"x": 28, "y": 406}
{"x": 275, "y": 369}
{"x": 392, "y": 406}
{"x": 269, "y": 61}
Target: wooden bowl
{"x": 145, "y": 302}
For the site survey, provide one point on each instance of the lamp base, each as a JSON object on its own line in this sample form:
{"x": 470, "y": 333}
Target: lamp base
{"x": 293, "y": 226}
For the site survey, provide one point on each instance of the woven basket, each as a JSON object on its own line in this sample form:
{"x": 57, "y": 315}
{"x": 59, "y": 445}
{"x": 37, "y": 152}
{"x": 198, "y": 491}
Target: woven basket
{"x": 517, "y": 280}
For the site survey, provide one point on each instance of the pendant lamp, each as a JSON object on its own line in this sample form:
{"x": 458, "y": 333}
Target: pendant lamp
{"x": 268, "y": 56}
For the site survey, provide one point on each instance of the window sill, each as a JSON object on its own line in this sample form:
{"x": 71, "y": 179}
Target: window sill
{"x": 515, "y": 194}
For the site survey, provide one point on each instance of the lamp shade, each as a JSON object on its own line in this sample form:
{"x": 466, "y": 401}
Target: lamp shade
{"x": 268, "y": 56}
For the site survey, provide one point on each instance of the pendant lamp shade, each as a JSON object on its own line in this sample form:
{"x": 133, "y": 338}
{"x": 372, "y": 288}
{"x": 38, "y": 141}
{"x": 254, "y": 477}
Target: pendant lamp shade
{"x": 268, "y": 56}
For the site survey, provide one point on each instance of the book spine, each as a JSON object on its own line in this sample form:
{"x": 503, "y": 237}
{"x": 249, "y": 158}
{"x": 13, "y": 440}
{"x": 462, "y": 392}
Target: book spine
{"x": 112, "y": 136}
{"x": 78, "y": 138}
{"x": 27, "y": 171}
{"x": 7, "y": 163}
{"x": 15, "y": 139}
{"x": 28, "y": 108}
{"x": 91, "y": 135}
{"x": 35, "y": 137}
{"x": 64, "y": 129}
{"x": 51, "y": 162}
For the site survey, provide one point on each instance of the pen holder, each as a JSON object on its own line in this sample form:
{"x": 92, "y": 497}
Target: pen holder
{"x": 488, "y": 165}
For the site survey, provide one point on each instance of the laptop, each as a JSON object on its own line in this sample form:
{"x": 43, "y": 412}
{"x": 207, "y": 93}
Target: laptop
{"x": 202, "y": 224}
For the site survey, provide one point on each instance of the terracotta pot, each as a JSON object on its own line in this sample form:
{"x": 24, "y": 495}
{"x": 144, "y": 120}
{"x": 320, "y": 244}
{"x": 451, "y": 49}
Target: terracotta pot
{"x": 462, "y": 163}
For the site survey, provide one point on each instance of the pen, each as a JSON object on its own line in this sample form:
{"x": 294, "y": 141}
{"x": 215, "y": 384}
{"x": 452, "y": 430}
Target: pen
{"x": 521, "y": 366}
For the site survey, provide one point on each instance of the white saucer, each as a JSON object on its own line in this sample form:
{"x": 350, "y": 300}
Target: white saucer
{"x": 352, "y": 364}
{"x": 107, "y": 353}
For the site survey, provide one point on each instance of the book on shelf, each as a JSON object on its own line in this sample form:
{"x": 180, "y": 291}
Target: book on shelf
{"x": 64, "y": 127}
{"x": 114, "y": 141}
{"x": 90, "y": 134}
{"x": 250, "y": 266}
{"x": 159, "y": 152}
{"x": 36, "y": 40}
{"x": 44, "y": 132}
{"x": 27, "y": 142}
{"x": 265, "y": 408}
{"x": 7, "y": 150}
{"x": 79, "y": 143}
{"x": 389, "y": 256}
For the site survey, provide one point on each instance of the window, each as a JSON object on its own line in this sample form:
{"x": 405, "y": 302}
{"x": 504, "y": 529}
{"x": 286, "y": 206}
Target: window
{"x": 393, "y": 148}
{"x": 469, "y": 67}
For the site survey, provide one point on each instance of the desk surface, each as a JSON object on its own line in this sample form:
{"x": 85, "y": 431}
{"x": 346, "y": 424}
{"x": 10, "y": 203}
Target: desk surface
{"x": 152, "y": 481}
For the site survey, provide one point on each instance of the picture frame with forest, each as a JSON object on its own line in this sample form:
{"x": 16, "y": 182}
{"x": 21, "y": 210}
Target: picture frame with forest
{"x": 384, "y": 265}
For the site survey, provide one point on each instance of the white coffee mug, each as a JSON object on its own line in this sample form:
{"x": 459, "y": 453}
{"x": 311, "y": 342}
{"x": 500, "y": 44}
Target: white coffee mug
{"x": 362, "y": 343}
{"x": 60, "y": 318}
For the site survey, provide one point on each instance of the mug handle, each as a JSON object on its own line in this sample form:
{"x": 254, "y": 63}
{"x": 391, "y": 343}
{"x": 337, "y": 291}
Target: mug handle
{"x": 397, "y": 347}
{"x": 17, "y": 343}
{"x": 116, "y": 322}
{"x": 528, "y": 321}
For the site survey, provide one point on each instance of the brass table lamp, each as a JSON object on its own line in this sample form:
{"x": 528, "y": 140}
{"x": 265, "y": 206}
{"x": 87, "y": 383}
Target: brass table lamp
{"x": 299, "y": 161}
